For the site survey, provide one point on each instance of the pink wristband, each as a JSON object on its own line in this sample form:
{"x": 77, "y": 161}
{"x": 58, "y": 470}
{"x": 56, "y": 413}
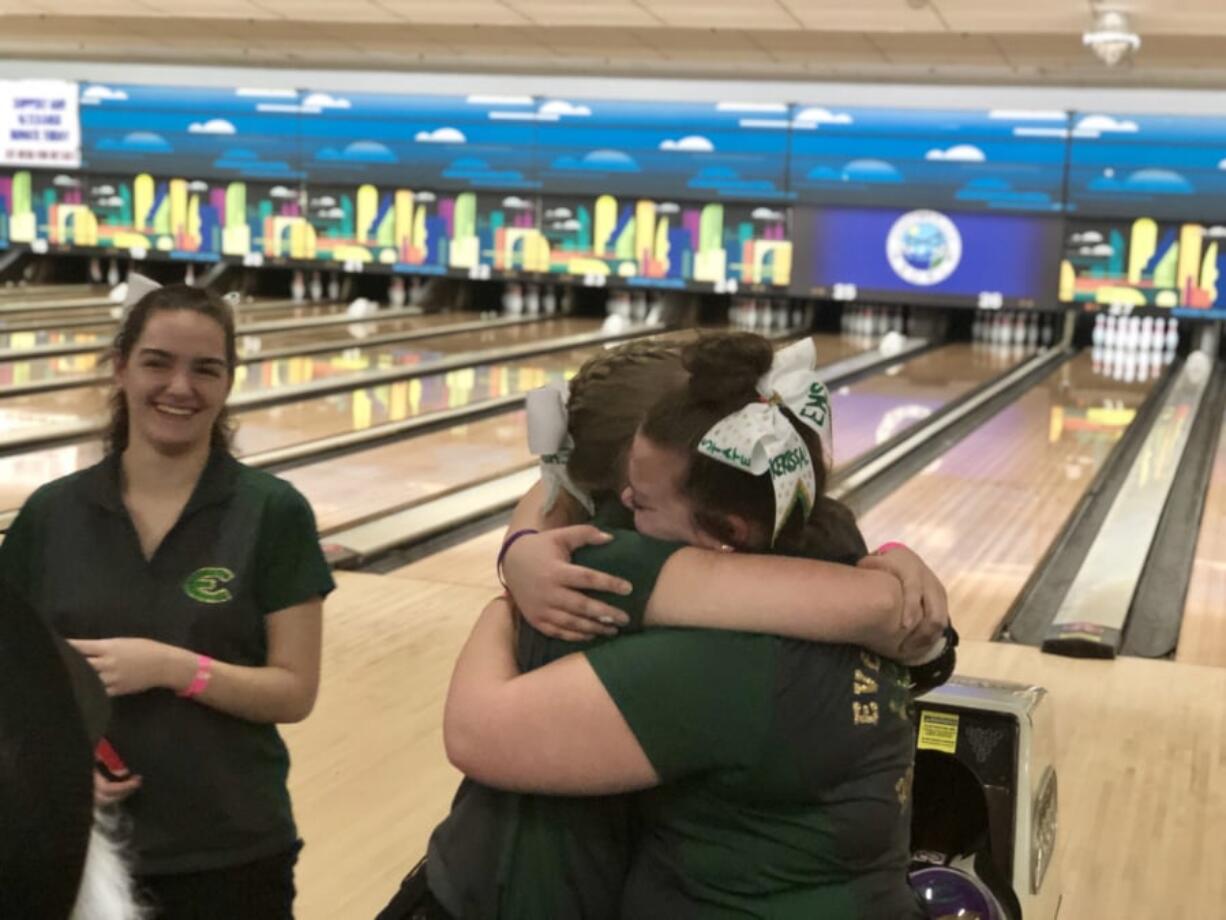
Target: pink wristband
{"x": 886, "y": 547}
{"x": 204, "y": 670}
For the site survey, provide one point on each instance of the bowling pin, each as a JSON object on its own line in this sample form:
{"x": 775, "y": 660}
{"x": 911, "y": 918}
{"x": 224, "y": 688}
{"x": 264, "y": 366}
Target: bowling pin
{"x": 655, "y": 308}
{"x": 395, "y": 292}
{"x": 512, "y": 300}
{"x": 317, "y": 287}
{"x": 334, "y": 286}
{"x": 532, "y": 300}
{"x": 1171, "y": 340}
{"x": 638, "y": 306}
{"x": 112, "y": 273}
{"x": 95, "y": 270}
{"x": 297, "y": 287}
{"x": 549, "y": 302}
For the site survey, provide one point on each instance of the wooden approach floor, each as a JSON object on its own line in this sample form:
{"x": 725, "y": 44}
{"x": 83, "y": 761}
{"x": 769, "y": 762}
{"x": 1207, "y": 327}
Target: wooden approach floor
{"x": 1142, "y": 754}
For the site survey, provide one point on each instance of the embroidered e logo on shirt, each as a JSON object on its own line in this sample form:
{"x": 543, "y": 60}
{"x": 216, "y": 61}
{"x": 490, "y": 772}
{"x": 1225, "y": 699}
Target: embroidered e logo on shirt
{"x": 205, "y": 585}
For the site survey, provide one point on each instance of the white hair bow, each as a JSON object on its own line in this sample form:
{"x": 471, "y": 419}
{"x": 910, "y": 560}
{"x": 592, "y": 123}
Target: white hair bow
{"x": 759, "y": 438}
{"x": 549, "y": 438}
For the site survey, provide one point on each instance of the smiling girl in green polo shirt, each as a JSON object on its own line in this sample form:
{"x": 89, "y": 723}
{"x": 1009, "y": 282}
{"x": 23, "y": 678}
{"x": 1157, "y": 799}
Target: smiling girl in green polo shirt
{"x": 194, "y": 585}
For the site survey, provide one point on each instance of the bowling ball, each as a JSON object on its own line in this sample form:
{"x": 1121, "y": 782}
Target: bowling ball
{"x": 925, "y": 246}
{"x": 614, "y": 324}
{"x": 1198, "y": 367}
{"x": 892, "y": 343}
{"x": 950, "y": 894}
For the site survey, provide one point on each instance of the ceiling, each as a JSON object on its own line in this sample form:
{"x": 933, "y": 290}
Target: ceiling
{"x": 984, "y": 41}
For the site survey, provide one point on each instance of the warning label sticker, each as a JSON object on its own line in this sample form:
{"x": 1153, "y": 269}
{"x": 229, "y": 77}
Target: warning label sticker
{"x": 938, "y": 731}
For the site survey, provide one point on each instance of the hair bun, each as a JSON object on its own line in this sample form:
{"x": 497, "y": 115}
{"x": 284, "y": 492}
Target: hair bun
{"x": 726, "y": 367}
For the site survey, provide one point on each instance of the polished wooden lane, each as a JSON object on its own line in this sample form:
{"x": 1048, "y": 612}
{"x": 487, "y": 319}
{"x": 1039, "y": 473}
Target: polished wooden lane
{"x": 41, "y": 410}
{"x": 984, "y": 513}
{"x": 348, "y": 489}
{"x": 100, "y": 334}
{"x": 870, "y": 411}
{"x": 1202, "y": 637}
{"x": 352, "y": 335}
{"x": 308, "y": 420}
{"x": 832, "y": 348}
{"x": 356, "y": 487}
{"x": 1140, "y": 749}
{"x": 106, "y": 312}
{"x": 61, "y": 291}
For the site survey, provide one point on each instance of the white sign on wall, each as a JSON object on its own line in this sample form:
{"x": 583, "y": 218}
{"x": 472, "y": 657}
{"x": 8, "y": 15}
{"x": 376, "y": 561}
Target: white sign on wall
{"x": 39, "y": 124}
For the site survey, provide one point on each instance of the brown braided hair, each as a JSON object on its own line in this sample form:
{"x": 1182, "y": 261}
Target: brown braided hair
{"x": 608, "y": 398}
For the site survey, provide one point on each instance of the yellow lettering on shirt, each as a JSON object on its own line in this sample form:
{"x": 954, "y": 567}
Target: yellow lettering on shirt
{"x": 865, "y": 713}
{"x": 863, "y": 684}
{"x": 871, "y": 661}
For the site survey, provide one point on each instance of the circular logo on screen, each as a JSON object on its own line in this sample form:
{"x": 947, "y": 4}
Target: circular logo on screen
{"x": 924, "y": 247}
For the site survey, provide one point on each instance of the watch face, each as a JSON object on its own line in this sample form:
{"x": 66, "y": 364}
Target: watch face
{"x": 950, "y": 894}
{"x": 924, "y": 247}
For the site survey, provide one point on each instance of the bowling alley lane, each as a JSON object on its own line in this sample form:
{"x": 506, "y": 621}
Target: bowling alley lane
{"x": 874, "y": 409}
{"x": 308, "y": 420}
{"x": 832, "y": 348}
{"x": 33, "y": 316}
{"x": 347, "y": 336}
{"x": 347, "y": 490}
{"x": 52, "y": 305}
{"x": 99, "y": 334}
{"x": 57, "y": 291}
{"x": 20, "y": 414}
{"x": 983, "y": 514}
{"x": 1202, "y": 637}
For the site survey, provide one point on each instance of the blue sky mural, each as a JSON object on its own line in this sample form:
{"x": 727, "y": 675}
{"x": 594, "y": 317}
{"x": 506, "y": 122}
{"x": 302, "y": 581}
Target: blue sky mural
{"x": 438, "y": 142}
{"x": 1001, "y": 159}
{"x": 677, "y": 149}
{"x": 245, "y": 133}
{"x": 1157, "y": 166}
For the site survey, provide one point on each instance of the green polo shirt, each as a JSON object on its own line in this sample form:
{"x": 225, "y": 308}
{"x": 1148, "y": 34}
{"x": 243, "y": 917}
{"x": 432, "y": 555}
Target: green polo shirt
{"x": 214, "y": 786}
{"x": 530, "y": 857}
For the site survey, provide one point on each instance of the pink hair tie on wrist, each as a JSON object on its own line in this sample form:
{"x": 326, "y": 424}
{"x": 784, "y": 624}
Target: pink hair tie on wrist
{"x": 204, "y": 670}
{"x": 886, "y": 547}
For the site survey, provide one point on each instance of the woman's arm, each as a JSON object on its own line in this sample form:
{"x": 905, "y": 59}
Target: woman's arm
{"x": 798, "y": 598}
{"x": 283, "y": 690}
{"x": 537, "y": 570}
{"x": 555, "y": 729}
{"x": 892, "y": 605}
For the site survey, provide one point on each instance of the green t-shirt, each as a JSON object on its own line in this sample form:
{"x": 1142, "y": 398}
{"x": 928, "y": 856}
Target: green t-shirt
{"x": 786, "y": 768}
{"x": 528, "y": 857}
{"x": 214, "y": 786}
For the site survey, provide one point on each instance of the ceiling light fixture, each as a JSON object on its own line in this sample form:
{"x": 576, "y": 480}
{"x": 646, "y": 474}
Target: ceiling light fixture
{"x": 1111, "y": 38}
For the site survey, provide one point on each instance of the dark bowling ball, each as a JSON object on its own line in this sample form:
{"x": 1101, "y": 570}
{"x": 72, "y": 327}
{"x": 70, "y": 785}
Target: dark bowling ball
{"x": 950, "y": 894}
